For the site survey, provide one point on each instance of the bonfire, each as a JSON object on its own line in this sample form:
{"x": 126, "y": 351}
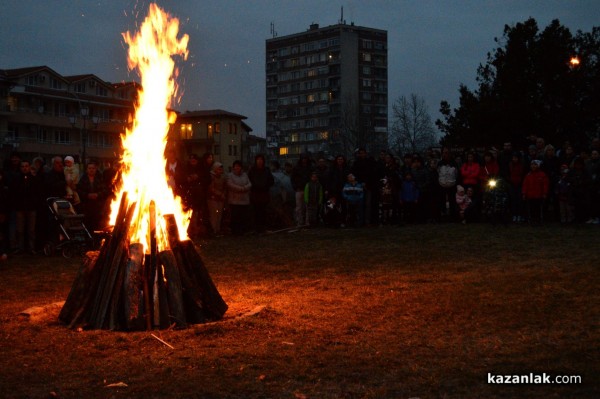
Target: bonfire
{"x": 147, "y": 273}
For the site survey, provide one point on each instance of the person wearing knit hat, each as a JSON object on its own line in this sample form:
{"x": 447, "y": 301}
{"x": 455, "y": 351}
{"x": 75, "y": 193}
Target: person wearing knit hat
{"x": 537, "y": 162}
{"x": 216, "y": 166}
{"x": 71, "y": 172}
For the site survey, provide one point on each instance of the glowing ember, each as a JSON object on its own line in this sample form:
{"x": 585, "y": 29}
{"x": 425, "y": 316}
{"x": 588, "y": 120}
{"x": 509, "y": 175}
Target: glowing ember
{"x": 151, "y": 51}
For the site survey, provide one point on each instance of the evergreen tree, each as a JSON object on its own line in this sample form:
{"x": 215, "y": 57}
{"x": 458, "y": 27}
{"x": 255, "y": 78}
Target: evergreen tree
{"x": 529, "y": 87}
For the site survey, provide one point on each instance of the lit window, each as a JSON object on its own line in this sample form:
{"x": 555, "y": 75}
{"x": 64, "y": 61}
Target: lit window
{"x": 209, "y": 130}
{"x": 283, "y": 151}
{"x": 217, "y": 128}
{"x": 186, "y": 131}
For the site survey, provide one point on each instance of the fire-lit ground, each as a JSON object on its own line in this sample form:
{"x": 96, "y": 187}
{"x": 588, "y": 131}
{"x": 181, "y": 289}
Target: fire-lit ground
{"x": 421, "y": 311}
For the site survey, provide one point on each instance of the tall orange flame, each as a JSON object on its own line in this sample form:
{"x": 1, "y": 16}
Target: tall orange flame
{"x": 151, "y": 51}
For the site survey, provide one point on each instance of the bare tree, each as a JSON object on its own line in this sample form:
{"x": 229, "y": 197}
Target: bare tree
{"x": 412, "y": 129}
{"x": 350, "y": 129}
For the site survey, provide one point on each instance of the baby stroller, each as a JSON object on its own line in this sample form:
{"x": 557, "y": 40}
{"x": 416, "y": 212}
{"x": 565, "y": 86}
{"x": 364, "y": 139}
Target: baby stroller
{"x": 71, "y": 237}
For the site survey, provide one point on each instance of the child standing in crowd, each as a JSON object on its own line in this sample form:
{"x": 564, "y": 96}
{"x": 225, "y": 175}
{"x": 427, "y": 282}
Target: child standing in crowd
{"x": 563, "y": 192}
{"x": 354, "y": 195}
{"x": 313, "y": 198}
{"x": 462, "y": 201}
{"x": 332, "y": 215}
{"x": 535, "y": 190}
{"x": 71, "y": 172}
{"x": 409, "y": 196}
{"x": 386, "y": 201}
{"x": 495, "y": 202}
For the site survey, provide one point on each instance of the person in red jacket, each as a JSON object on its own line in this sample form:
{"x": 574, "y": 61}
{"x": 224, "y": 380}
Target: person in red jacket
{"x": 469, "y": 172}
{"x": 535, "y": 190}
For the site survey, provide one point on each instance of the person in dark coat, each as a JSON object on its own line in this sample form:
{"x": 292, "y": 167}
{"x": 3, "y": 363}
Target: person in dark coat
{"x": 261, "y": 179}
{"x": 366, "y": 171}
{"x": 112, "y": 178}
{"x": 25, "y": 194}
{"x": 194, "y": 194}
{"x": 55, "y": 184}
{"x": 93, "y": 194}
{"x": 337, "y": 178}
{"x": 299, "y": 177}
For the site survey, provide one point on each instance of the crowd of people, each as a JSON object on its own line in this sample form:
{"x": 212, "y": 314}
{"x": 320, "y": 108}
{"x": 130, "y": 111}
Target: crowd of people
{"x": 534, "y": 185}
{"x": 25, "y": 217}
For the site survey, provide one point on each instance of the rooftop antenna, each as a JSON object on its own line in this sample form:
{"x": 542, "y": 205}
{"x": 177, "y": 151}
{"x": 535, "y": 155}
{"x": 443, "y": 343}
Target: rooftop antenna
{"x": 273, "y": 31}
{"x": 342, "y": 16}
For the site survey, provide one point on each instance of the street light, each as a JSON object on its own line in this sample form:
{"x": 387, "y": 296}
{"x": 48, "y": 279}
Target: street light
{"x": 85, "y": 113}
{"x": 574, "y": 61}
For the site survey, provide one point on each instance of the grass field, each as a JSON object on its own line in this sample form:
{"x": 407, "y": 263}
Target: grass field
{"x": 407, "y": 312}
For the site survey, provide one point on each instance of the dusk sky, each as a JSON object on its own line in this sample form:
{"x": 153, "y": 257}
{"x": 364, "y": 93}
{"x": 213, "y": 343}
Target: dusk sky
{"x": 433, "y": 46}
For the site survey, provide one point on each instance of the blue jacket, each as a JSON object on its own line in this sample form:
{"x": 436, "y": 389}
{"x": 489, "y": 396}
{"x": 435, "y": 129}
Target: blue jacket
{"x": 354, "y": 193}
{"x": 409, "y": 191}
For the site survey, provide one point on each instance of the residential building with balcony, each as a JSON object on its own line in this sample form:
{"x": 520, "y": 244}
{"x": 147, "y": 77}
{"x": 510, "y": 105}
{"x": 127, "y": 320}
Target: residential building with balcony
{"x": 327, "y": 91}
{"x": 44, "y": 114}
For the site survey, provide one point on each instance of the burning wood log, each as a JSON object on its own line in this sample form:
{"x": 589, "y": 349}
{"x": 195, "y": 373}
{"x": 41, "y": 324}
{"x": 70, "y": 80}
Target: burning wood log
{"x": 107, "y": 300}
{"x": 174, "y": 289}
{"x": 80, "y": 302}
{"x": 133, "y": 288}
{"x": 204, "y": 298}
{"x": 82, "y": 286}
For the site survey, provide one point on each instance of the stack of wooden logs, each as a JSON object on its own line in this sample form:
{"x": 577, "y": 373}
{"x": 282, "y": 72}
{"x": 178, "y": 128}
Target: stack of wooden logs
{"x": 121, "y": 288}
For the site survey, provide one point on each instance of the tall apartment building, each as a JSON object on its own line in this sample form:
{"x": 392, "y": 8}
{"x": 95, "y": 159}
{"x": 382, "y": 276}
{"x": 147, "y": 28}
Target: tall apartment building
{"x": 326, "y": 91}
